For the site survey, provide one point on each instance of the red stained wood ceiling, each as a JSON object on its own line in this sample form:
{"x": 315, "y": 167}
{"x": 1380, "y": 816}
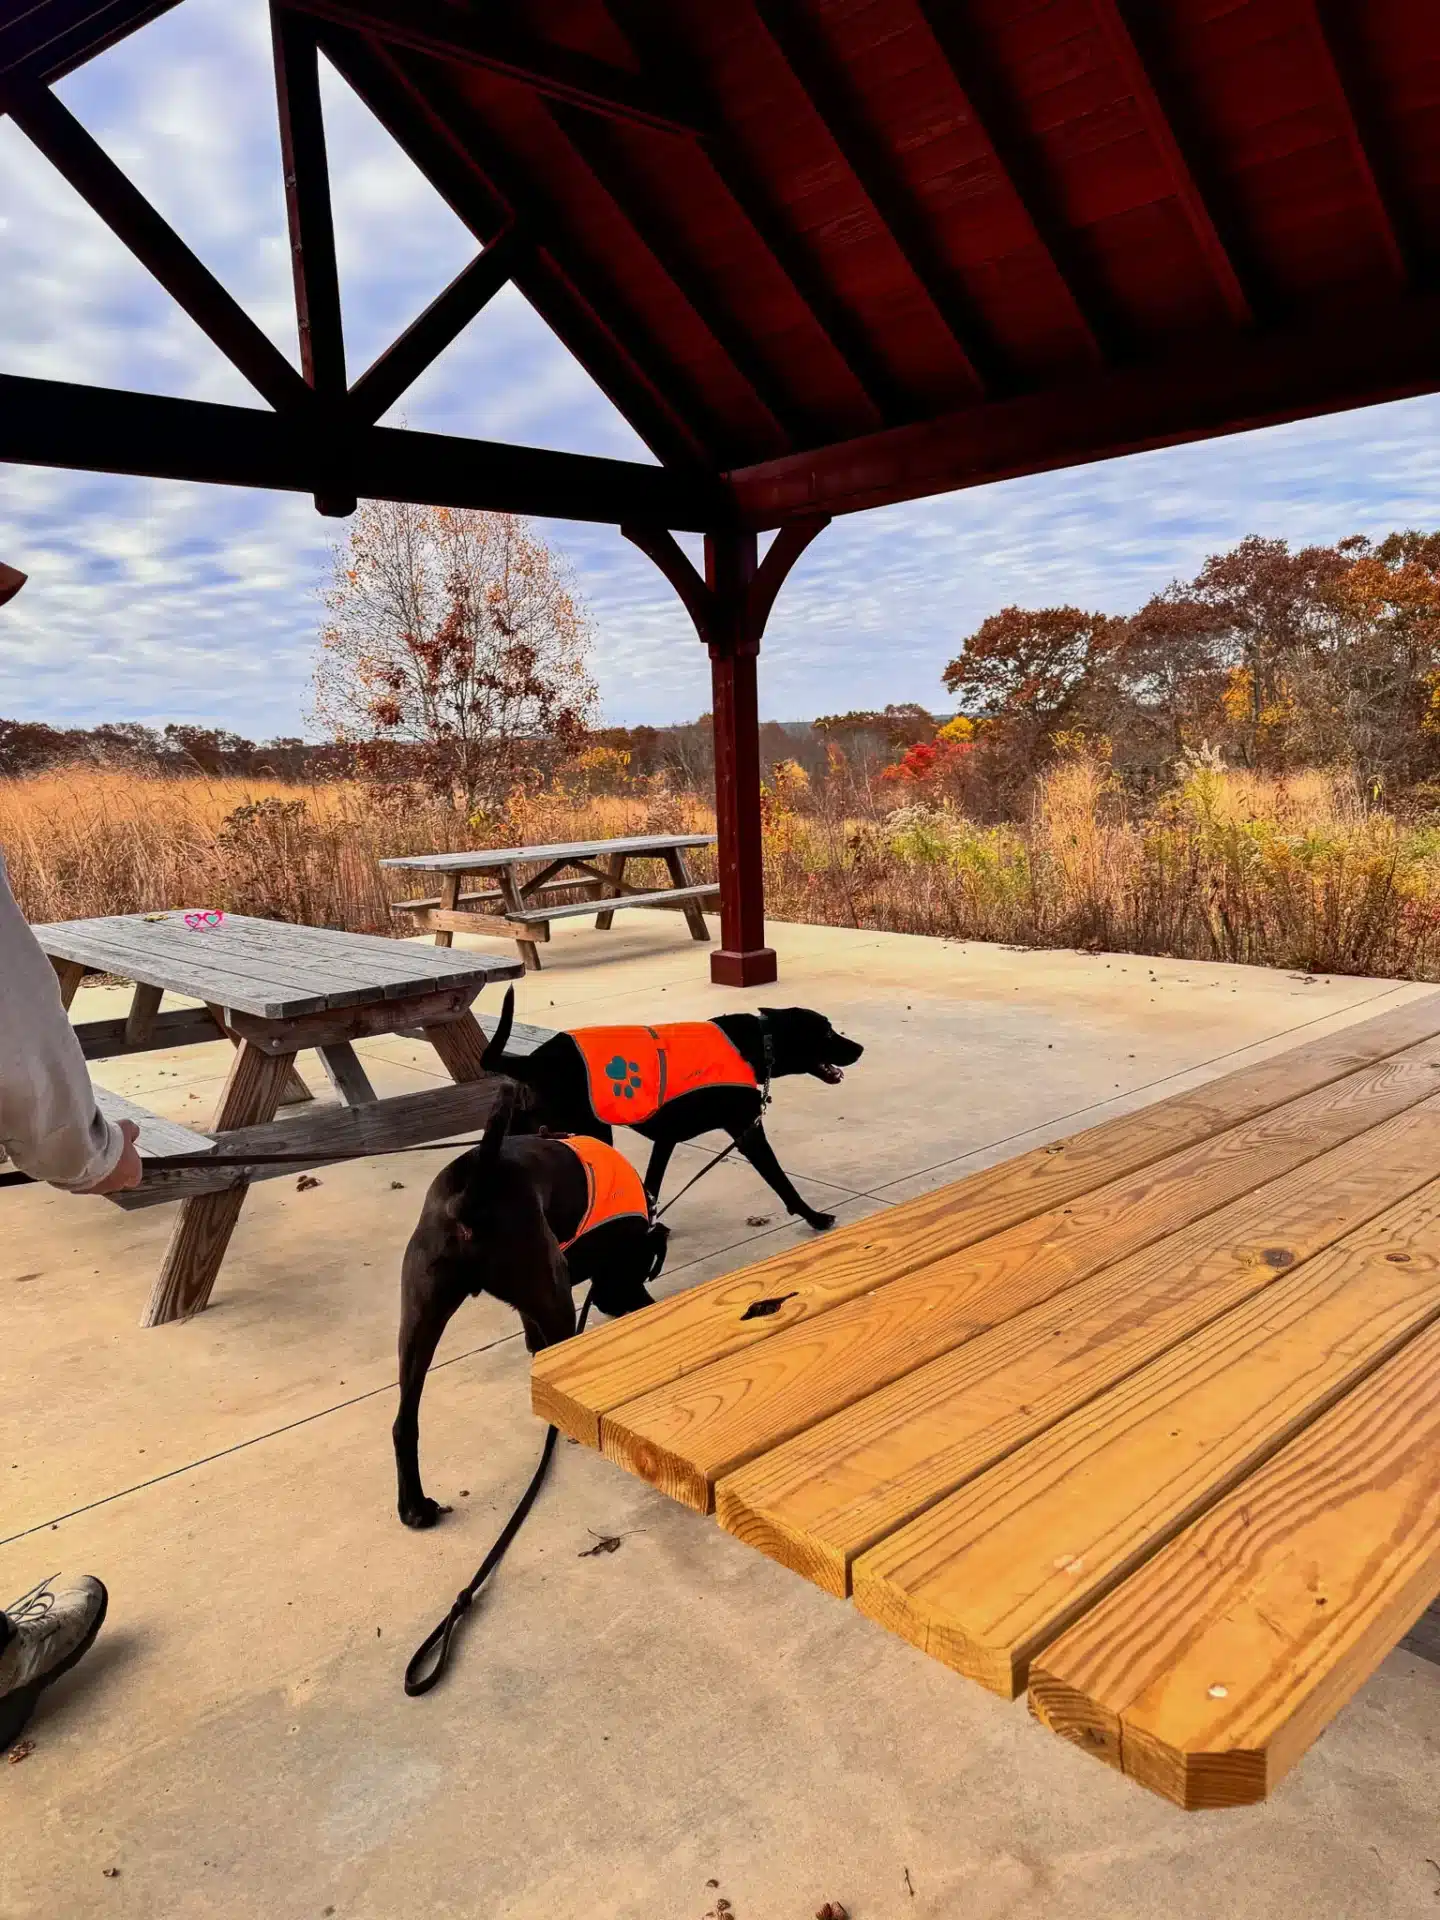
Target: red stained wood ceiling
{"x": 853, "y": 250}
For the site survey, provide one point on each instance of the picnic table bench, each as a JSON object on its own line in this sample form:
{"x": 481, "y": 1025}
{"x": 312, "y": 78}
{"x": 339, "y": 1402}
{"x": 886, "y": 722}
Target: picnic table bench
{"x": 272, "y": 989}
{"x": 526, "y": 905}
{"x": 1145, "y": 1421}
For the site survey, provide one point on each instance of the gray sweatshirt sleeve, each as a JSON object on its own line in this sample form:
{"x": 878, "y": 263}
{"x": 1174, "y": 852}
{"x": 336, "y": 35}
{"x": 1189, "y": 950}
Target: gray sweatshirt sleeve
{"x": 49, "y": 1123}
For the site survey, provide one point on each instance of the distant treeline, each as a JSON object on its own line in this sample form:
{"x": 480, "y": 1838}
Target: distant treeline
{"x": 685, "y": 753}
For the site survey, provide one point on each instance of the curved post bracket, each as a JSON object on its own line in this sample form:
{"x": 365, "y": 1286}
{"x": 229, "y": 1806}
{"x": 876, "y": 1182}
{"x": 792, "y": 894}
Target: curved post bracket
{"x": 716, "y": 625}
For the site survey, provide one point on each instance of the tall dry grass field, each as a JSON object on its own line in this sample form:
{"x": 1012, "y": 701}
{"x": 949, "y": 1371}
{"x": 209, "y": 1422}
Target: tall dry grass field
{"x": 1300, "y": 873}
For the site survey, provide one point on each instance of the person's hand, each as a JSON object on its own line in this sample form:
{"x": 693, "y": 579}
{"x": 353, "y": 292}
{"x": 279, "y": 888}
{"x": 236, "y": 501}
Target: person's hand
{"x": 127, "y": 1170}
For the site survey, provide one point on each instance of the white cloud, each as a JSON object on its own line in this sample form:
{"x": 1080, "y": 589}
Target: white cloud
{"x": 153, "y": 599}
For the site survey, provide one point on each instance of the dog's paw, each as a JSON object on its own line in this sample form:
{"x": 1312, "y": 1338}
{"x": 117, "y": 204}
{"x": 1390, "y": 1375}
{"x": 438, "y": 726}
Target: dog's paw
{"x": 423, "y": 1515}
{"x": 821, "y": 1222}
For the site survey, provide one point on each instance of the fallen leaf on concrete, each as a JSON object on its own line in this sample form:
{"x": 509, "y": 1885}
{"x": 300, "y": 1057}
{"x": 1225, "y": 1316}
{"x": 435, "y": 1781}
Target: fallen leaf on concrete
{"x": 604, "y": 1543}
{"x": 397, "y": 1186}
{"x": 712, "y": 1883}
{"x": 22, "y": 1750}
{"x": 832, "y": 1910}
{"x": 306, "y": 1182}
{"x": 111, "y": 1873}
{"x": 757, "y": 1219}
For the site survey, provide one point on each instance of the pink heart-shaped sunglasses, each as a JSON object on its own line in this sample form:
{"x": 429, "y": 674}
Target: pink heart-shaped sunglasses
{"x": 203, "y": 919}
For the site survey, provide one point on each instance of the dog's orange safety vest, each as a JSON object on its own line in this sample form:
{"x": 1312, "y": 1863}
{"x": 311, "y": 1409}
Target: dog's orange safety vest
{"x": 613, "y": 1189}
{"x": 633, "y": 1071}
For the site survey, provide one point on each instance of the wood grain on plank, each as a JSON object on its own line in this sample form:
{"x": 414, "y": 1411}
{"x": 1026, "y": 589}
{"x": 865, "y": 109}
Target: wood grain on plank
{"x": 993, "y": 1573}
{"x": 576, "y": 1383}
{"x": 839, "y": 1487}
{"x": 683, "y": 1437}
{"x": 1210, "y": 1671}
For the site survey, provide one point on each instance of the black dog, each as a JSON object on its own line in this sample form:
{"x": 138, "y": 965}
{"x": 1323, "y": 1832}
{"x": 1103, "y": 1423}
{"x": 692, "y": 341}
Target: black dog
{"x": 495, "y": 1221}
{"x": 562, "y": 1079}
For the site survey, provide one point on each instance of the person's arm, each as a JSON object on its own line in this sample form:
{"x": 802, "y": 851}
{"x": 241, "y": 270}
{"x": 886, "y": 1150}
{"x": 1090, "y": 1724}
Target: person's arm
{"x": 50, "y": 1125}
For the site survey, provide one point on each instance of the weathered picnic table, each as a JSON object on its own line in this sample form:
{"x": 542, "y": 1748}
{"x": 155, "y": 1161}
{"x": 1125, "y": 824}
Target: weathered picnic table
{"x": 527, "y": 911}
{"x": 273, "y": 989}
{"x": 1146, "y": 1421}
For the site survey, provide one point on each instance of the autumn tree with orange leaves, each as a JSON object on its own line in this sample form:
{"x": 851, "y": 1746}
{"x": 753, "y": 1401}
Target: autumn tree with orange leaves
{"x": 457, "y": 634}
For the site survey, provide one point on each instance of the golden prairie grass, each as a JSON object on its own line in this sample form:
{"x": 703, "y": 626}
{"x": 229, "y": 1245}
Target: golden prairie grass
{"x": 1300, "y": 873}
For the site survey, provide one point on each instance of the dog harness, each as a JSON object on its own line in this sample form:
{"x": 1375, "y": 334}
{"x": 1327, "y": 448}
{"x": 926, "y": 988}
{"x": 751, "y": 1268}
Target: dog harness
{"x": 613, "y": 1189}
{"x": 634, "y": 1071}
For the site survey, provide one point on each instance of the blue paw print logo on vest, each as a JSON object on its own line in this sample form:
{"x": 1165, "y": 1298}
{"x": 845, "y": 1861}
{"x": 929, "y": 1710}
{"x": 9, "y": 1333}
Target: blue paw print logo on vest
{"x": 624, "y": 1075}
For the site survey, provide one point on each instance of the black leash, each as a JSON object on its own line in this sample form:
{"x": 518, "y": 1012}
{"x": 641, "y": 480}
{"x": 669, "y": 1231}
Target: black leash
{"x": 317, "y": 1157}
{"x": 436, "y": 1643}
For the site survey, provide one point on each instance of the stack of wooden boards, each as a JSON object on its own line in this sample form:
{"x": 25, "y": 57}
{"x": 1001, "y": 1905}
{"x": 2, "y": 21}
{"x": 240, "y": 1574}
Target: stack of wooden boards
{"x": 1146, "y": 1420}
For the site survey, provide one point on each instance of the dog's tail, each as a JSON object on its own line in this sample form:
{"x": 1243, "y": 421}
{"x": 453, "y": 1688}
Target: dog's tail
{"x": 477, "y": 1167}
{"x": 493, "y": 1058}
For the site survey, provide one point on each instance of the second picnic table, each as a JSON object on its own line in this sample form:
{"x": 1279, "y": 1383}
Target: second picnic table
{"x": 525, "y": 914}
{"x": 273, "y": 989}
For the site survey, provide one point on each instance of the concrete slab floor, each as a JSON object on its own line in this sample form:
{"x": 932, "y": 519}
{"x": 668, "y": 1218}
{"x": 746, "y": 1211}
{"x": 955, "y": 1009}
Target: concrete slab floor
{"x": 620, "y": 1731}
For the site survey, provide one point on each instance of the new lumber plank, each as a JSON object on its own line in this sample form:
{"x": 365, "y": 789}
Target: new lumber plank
{"x": 576, "y": 1383}
{"x": 992, "y": 1574}
{"x": 821, "y": 1499}
{"x": 1208, "y": 1673}
{"x": 685, "y": 1436}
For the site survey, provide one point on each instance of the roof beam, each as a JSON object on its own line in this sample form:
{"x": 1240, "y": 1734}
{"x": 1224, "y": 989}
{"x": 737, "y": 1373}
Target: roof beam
{"x": 571, "y": 302}
{"x": 1363, "y": 129}
{"x": 401, "y": 364}
{"x": 48, "y": 423}
{"x": 307, "y": 204}
{"x": 602, "y": 155}
{"x": 820, "y": 76}
{"x": 95, "y": 177}
{"x": 660, "y": 53}
{"x": 1258, "y": 380}
{"x": 485, "y": 39}
{"x": 995, "y": 115}
{"x": 1118, "y": 21}
{"x": 311, "y": 223}
{"x": 47, "y": 41}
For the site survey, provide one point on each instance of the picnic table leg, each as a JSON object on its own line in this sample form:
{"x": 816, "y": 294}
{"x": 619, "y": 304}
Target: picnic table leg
{"x": 140, "y": 1021}
{"x": 449, "y": 901}
{"x": 461, "y": 1046}
{"x": 615, "y": 868}
{"x": 515, "y": 904}
{"x": 207, "y": 1220}
{"x": 69, "y": 973}
{"x": 680, "y": 877}
{"x": 294, "y": 1090}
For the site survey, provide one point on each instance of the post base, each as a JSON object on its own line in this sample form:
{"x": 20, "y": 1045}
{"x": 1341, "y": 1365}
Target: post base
{"x": 756, "y": 967}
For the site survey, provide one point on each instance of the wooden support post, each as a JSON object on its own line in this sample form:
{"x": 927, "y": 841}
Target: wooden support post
{"x": 294, "y": 1092}
{"x": 140, "y": 1021}
{"x": 449, "y": 900}
{"x": 461, "y": 1046}
{"x": 69, "y": 973}
{"x": 742, "y": 959}
{"x": 680, "y": 877}
{"x": 615, "y": 868}
{"x": 526, "y": 937}
{"x": 730, "y": 607}
{"x": 202, "y": 1233}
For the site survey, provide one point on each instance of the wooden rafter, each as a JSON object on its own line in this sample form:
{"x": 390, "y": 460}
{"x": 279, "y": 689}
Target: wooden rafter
{"x": 307, "y": 203}
{"x": 1118, "y": 20}
{"x": 665, "y": 242}
{"x": 571, "y": 301}
{"x": 822, "y": 79}
{"x": 95, "y": 177}
{"x": 46, "y": 41}
{"x": 1363, "y": 130}
{"x": 993, "y": 111}
{"x": 661, "y": 54}
{"x": 1259, "y": 379}
{"x": 485, "y": 38}
{"x": 50, "y": 423}
{"x": 427, "y": 337}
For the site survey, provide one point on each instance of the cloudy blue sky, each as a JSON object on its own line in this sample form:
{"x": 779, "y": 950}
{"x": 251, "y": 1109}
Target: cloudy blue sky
{"x": 159, "y": 601}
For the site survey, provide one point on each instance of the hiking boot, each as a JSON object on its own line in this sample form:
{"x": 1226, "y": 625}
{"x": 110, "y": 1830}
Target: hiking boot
{"x": 45, "y": 1632}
